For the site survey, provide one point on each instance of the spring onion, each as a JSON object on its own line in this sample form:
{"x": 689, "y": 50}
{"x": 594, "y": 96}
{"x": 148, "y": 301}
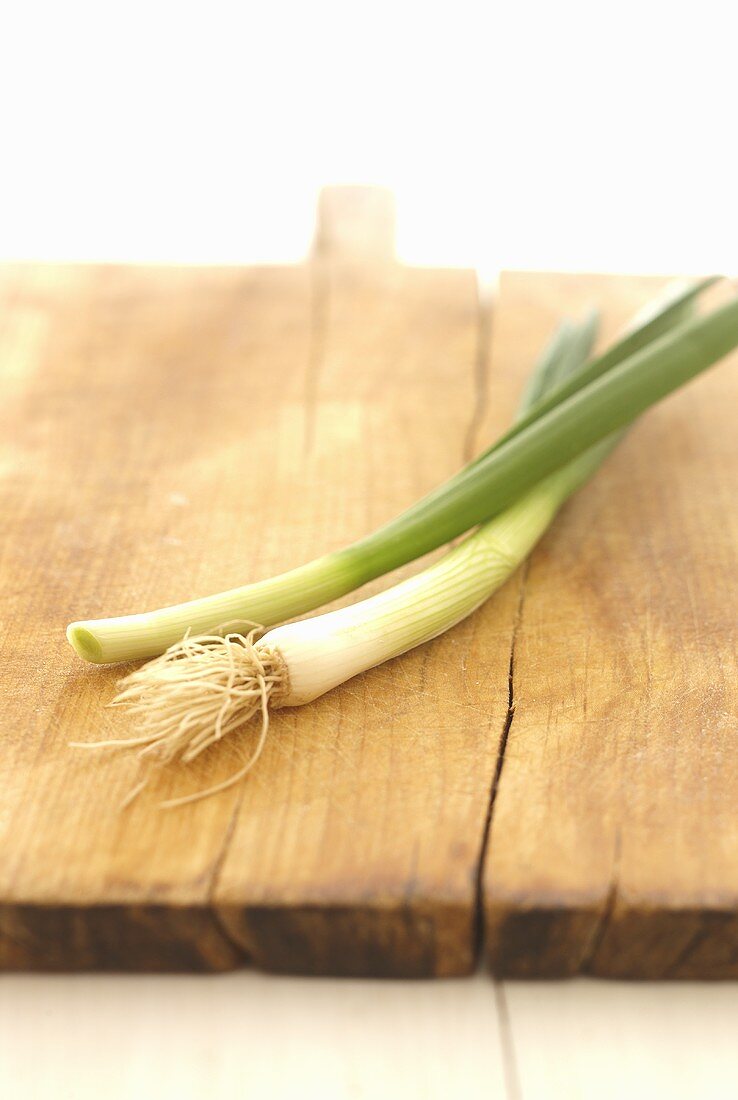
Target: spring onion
{"x": 592, "y": 403}
{"x": 203, "y": 688}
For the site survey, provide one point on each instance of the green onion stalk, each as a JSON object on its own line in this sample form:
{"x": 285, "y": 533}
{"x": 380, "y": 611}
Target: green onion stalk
{"x": 561, "y": 420}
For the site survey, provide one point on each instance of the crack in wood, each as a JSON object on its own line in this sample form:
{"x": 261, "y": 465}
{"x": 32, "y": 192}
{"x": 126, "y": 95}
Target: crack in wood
{"x": 687, "y": 951}
{"x": 484, "y": 342}
{"x": 481, "y": 370}
{"x": 215, "y": 873}
{"x": 599, "y": 931}
{"x": 497, "y": 776}
{"x": 319, "y": 302}
{"x": 242, "y": 957}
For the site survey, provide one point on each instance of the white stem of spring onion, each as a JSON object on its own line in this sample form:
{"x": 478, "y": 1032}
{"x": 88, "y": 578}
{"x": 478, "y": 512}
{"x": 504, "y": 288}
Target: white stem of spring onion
{"x": 325, "y": 650}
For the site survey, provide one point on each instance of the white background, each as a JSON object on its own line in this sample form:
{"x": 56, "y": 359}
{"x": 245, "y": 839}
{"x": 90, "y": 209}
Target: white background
{"x": 573, "y": 135}
{"x": 255, "y": 1037}
{"x": 570, "y": 135}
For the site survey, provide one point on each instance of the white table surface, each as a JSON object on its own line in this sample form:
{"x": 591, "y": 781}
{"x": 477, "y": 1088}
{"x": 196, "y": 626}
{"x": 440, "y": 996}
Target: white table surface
{"x": 228, "y": 1037}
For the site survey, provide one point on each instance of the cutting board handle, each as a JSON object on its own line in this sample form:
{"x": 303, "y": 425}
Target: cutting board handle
{"x": 356, "y": 224}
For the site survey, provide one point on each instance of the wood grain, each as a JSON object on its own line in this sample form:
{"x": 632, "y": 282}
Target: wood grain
{"x": 614, "y": 840}
{"x": 167, "y": 433}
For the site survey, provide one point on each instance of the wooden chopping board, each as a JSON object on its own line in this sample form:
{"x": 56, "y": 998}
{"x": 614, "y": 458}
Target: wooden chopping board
{"x": 556, "y": 776}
